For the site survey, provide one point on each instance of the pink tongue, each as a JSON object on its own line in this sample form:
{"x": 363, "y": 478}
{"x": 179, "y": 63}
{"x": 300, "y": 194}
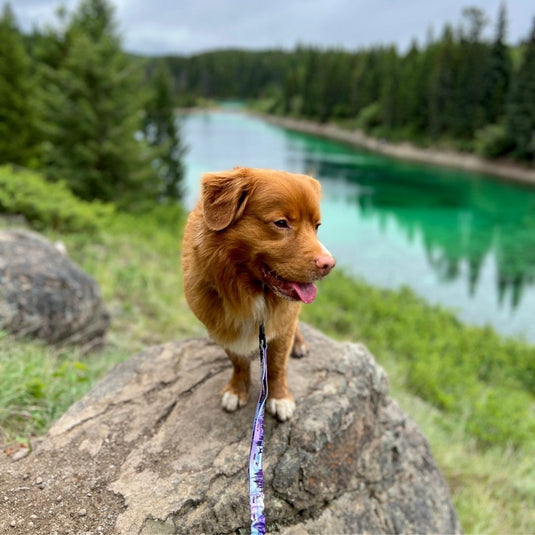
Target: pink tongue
{"x": 305, "y": 291}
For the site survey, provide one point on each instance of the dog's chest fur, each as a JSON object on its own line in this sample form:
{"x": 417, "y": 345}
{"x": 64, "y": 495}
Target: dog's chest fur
{"x": 246, "y": 342}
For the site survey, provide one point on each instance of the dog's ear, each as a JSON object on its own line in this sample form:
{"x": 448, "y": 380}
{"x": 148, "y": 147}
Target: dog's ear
{"x": 224, "y": 196}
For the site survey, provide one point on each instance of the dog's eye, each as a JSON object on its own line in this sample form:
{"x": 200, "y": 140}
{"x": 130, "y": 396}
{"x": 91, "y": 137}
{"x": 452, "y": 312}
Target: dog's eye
{"x": 317, "y": 226}
{"x": 281, "y": 223}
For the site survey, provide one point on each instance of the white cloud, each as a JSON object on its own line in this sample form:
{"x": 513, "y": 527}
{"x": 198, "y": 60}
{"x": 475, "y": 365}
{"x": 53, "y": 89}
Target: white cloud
{"x": 184, "y": 27}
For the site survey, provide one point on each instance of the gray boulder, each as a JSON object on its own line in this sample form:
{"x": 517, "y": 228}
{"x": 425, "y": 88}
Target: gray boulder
{"x": 44, "y": 294}
{"x": 149, "y": 451}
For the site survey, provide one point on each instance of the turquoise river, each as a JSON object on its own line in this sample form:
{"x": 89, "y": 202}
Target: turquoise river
{"x": 461, "y": 240}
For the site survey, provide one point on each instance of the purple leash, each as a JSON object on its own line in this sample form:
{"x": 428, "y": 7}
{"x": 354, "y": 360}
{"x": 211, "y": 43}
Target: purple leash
{"x": 256, "y": 473}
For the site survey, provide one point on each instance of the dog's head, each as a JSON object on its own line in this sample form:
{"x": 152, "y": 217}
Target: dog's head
{"x": 267, "y": 221}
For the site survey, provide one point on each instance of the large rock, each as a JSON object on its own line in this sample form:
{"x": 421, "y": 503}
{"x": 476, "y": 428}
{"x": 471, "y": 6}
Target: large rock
{"x": 43, "y": 294}
{"x": 149, "y": 451}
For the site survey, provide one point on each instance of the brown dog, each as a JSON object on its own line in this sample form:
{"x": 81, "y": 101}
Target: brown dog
{"x": 250, "y": 255}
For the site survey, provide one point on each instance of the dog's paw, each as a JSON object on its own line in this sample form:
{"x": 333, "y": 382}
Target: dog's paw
{"x": 232, "y": 402}
{"x": 282, "y": 409}
{"x": 300, "y": 350}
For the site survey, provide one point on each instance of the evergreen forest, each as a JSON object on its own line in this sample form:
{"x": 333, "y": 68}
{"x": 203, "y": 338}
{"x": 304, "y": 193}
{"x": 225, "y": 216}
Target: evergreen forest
{"x": 458, "y": 91}
{"x": 78, "y": 109}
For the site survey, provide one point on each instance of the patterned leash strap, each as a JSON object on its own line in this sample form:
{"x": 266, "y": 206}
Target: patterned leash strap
{"x": 256, "y": 473}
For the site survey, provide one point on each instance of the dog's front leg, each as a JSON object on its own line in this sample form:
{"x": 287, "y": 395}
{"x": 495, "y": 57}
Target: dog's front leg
{"x": 236, "y": 392}
{"x": 280, "y": 403}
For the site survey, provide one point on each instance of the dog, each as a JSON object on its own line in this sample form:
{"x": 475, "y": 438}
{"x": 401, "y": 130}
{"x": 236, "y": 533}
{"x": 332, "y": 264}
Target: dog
{"x": 250, "y": 256}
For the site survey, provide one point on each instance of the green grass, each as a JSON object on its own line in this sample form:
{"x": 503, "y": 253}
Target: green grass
{"x": 471, "y": 391}
{"x": 137, "y": 263}
{"x": 39, "y": 383}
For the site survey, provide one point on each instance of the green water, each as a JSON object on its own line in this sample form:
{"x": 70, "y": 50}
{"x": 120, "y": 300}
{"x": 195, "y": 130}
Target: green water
{"x": 463, "y": 240}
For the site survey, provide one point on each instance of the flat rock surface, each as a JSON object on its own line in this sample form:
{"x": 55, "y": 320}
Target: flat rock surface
{"x": 149, "y": 451}
{"x": 43, "y": 294}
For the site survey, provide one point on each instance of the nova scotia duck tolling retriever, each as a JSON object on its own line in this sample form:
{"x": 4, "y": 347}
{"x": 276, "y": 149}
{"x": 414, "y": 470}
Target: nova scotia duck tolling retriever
{"x": 251, "y": 256}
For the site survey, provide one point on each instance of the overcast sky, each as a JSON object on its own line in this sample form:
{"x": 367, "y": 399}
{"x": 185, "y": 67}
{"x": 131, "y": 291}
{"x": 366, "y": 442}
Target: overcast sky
{"x": 156, "y": 27}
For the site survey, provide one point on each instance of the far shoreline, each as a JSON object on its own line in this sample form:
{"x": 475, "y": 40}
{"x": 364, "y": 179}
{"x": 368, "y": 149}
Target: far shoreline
{"x": 508, "y": 171}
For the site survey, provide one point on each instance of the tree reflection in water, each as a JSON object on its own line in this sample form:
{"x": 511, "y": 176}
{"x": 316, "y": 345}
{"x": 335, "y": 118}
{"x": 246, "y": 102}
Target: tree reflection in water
{"x": 461, "y": 221}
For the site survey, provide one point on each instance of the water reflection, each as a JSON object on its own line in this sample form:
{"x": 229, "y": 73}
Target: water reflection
{"x": 459, "y": 221}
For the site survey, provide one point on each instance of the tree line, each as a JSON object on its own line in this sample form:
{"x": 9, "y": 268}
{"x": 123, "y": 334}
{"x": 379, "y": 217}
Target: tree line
{"x": 76, "y": 107}
{"x": 458, "y": 89}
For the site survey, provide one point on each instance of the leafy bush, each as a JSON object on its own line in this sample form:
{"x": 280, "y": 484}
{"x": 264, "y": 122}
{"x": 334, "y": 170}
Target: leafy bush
{"x": 502, "y": 415}
{"x": 492, "y": 141}
{"x": 369, "y": 117}
{"x": 48, "y": 205}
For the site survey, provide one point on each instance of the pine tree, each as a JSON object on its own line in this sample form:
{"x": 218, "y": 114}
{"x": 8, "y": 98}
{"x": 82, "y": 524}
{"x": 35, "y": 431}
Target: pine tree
{"x": 369, "y": 82}
{"x": 520, "y": 120}
{"x": 291, "y": 100}
{"x": 311, "y": 86}
{"x": 18, "y": 134}
{"x": 93, "y": 111}
{"x": 389, "y": 93}
{"x": 442, "y": 85}
{"x": 410, "y": 91}
{"x": 498, "y": 74}
{"x": 336, "y": 77}
{"x": 472, "y": 61}
{"x": 162, "y": 132}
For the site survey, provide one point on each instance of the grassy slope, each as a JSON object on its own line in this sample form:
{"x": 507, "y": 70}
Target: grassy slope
{"x": 136, "y": 260}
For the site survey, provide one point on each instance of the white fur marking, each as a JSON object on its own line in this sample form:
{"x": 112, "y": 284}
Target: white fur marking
{"x": 325, "y": 250}
{"x": 259, "y": 309}
{"x": 282, "y": 409}
{"x": 231, "y": 402}
{"x": 247, "y": 342}
{"x": 244, "y": 346}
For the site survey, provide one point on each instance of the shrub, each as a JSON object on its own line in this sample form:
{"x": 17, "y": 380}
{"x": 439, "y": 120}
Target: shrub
{"x": 369, "y": 117}
{"x": 502, "y": 416}
{"x": 492, "y": 141}
{"x": 48, "y": 205}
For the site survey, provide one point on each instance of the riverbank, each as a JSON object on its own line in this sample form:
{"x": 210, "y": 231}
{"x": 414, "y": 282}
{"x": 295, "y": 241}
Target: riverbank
{"x": 406, "y": 151}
